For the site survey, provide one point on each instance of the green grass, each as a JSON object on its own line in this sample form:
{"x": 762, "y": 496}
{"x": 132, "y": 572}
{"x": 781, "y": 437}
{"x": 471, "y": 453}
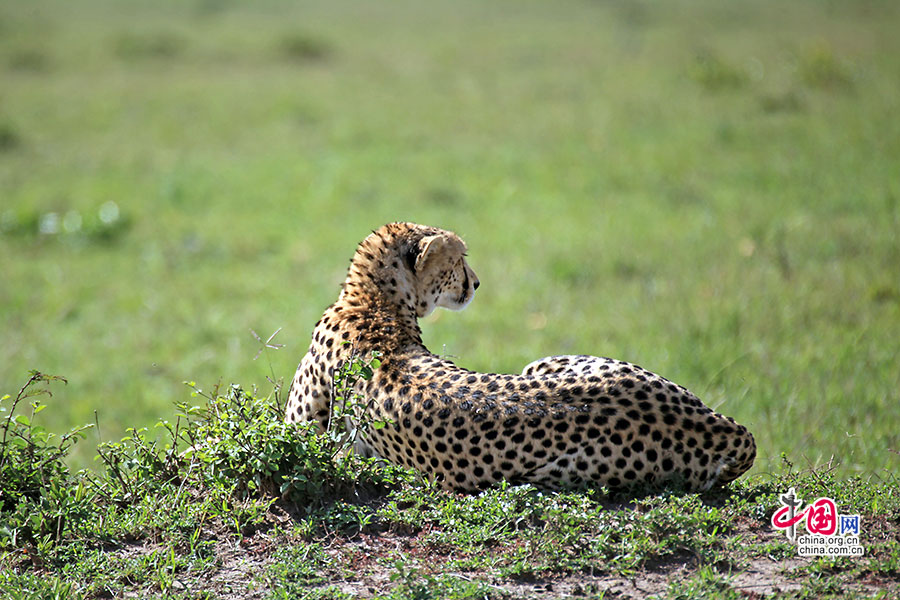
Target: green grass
{"x": 231, "y": 519}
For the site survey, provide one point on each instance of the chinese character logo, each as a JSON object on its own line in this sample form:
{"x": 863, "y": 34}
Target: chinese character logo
{"x": 827, "y": 529}
{"x": 822, "y": 517}
{"x": 788, "y": 516}
{"x": 850, "y": 524}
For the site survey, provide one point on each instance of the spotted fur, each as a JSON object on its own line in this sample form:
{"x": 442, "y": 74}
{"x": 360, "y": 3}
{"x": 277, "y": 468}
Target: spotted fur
{"x": 565, "y": 421}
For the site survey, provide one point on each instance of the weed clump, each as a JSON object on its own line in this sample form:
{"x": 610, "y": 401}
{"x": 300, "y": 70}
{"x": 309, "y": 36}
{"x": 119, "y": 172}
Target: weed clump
{"x": 29, "y": 60}
{"x": 233, "y": 455}
{"x": 160, "y": 45}
{"x": 714, "y": 73}
{"x": 38, "y": 500}
{"x": 9, "y": 138}
{"x": 238, "y": 445}
{"x": 240, "y": 440}
{"x": 820, "y": 68}
{"x": 304, "y": 47}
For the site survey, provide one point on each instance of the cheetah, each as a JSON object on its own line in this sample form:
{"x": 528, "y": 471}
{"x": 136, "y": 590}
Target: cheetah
{"x": 566, "y": 421}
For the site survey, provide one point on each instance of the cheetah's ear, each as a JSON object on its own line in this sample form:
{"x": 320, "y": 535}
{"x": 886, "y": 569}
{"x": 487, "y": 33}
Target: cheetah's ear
{"x": 429, "y": 247}
{"x": 409, "y": 251}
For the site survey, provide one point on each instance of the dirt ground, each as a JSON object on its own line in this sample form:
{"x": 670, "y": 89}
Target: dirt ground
{"x": 242, "y": 568}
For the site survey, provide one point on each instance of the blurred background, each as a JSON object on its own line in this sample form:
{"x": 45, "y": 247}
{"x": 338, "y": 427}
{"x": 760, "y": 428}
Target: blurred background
{"x": 708, "y": 189}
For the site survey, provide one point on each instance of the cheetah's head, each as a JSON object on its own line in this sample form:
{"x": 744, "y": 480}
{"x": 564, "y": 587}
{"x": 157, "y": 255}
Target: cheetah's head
{"x": 441, "y": 275}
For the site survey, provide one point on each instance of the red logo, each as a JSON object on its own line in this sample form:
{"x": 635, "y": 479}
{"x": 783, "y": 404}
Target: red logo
{"x": 822, "y": 516}
{"x": 831, "y": 534}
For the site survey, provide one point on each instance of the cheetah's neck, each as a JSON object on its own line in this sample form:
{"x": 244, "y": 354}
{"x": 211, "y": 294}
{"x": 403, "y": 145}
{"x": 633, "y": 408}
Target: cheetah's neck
{"x": 380, "y": 294}
{"x": 370, "y": 325}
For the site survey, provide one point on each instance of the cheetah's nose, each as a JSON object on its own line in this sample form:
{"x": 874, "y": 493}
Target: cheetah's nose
{"x": 475, "y": 284}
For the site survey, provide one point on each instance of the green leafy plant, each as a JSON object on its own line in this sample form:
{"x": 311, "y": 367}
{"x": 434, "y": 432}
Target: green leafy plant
{"x": 351, "y": 413}
{"x": 707, "y": 583}
{"x": 413, "y": 583}
{"x": 38, "y": 500}
{"x": 15, "y": 586}
{"x": 238, "y": 443}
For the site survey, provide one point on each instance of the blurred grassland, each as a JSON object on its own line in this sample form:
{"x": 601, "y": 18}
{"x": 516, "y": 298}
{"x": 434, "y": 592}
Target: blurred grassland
{"x": 707, "y": 189}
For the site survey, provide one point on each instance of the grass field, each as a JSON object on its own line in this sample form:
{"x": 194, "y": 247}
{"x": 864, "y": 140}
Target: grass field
{"x": 260, "y": 509}
{"x": 707, "y": 189}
